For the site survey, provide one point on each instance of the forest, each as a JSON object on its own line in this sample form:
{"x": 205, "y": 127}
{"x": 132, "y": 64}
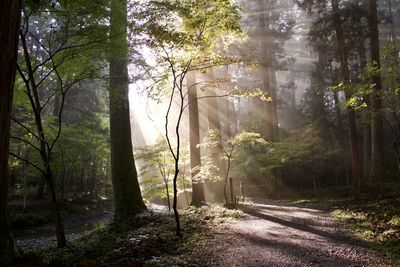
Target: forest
{"x": 199, "y": 133}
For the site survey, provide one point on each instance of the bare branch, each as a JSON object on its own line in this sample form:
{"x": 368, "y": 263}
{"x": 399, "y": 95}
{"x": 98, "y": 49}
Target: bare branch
{"x": 28, "y": 162}
{"x": 202, "y": 97}
{"x": 26, "y": 128}
{"x": 25, "y": 141}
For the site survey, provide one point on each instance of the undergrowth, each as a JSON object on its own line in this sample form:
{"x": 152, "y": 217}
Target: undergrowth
{"x": 378, "y": 223}
{"x": 151, "y": 241}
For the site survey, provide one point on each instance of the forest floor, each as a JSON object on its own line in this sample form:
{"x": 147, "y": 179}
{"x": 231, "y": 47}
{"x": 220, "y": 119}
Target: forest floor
{"x": 285, "y": 235}
{"x": 259, "y": 233}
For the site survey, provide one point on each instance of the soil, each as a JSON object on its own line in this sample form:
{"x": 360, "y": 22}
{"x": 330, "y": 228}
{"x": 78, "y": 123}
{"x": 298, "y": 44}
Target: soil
{"x": 282, "y": 235}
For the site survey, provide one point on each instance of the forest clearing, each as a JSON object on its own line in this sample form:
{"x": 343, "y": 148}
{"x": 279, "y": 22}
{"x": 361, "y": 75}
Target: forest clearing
{"x": 199, "y": 133}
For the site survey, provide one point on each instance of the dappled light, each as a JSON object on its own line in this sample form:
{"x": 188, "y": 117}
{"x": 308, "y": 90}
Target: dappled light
{"x": 199, "y": 133}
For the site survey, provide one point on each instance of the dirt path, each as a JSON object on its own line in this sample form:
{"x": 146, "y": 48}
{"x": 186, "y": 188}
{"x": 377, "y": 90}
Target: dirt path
{"x": 274, "y": 235}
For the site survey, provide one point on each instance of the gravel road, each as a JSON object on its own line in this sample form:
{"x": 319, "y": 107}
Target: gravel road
{"x": 275, "y": 235}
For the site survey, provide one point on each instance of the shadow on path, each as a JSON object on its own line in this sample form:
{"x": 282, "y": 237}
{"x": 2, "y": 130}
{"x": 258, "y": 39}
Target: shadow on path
{"x": 337, "y": 237}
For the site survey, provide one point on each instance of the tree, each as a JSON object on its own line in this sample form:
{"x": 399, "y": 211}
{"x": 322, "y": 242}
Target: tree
{"x": 156, "y": 161}
{"x": 198, "y": 197}
{"x": 127, "y": 196}
{"x": 10, "y": 15}
{"x": 377, "y": 151}
{"x": 48, "y": 69}
{"x": 355, "y": 156}
{"x": 228, "y": 149}
{"x": 214, "y": 123}
{"x": 179, "y": 50}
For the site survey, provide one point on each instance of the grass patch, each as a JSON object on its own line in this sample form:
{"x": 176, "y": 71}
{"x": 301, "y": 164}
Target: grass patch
{"x": 378, "y": 223}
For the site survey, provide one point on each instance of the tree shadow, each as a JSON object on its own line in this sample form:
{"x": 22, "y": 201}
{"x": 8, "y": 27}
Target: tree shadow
{"x": 337, "y": 237}
{"x": 299, "y": 255}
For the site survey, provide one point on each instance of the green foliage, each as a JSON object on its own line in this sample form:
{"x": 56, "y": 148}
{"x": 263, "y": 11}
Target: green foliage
{"x": 181, "y": 36}
{"x": 227, "y": 148}
{"x": 156, "y": 166}
{"x": 298, "y": 159}
{"x": 375, "y": 223}
{"x": 29, "y": 219}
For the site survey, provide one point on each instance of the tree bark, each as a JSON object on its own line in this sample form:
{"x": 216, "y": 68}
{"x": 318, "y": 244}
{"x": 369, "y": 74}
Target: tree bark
{"x": 269, "y": 80}
{"x": 127, "y": 196}
{"x": 10, "y": 16}
{"x": 355, "y": 156}
{"x": 198, "y": 197}
{"x": 377, "y": 152}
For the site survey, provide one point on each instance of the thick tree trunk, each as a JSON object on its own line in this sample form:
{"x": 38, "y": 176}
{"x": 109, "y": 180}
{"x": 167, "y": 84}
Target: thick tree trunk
{"x": 198, "y": 197}
{"x": 355, "y": 156}
{"x": 127, "y": 196}
{"x": 9, "y": 27}
{"x": 269, "y": 80}
{"x": 377, "y": 152}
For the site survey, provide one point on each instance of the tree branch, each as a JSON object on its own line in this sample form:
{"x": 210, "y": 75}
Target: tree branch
{"x": 28, "y": 162}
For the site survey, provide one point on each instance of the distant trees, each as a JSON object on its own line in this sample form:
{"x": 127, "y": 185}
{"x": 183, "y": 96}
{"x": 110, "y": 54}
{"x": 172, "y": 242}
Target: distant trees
{"x": 352, "y": 24}
{"x": 10, "y": 15}
{"x": 181, "y": 50}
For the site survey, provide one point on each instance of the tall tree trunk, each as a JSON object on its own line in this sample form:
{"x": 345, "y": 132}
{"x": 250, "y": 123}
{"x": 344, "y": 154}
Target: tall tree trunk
{"x": 198, "y": 197}
{"x": 214, "y": 122}
{"x": 367, "y": 142}
{"x": 268, "y": 107}
{"x": 10, "y": 16}
{"x": 40, "y": 189}
{"x": 269, "y": 80}
{"x": 274, "y": 95}
{"x": 317, "y": 102}
{"x": 355, "y": 156}
{"x": 63, "y": 173}
{"x": 127, "y": 196}
{"x": 377, "y": 152}
{"x": 228, "y": 106}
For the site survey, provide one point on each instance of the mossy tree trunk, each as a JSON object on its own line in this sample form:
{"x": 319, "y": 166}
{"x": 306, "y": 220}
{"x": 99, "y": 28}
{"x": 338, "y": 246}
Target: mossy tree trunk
{"x": 9, "y": 27}
{"x": 127, "y": 196}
